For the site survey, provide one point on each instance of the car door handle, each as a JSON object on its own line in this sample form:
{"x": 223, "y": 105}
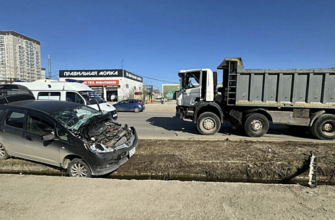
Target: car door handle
{"x": 30, "y": 138}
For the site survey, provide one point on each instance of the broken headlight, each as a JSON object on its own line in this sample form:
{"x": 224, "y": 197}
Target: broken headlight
{"x": 99, "y": 148}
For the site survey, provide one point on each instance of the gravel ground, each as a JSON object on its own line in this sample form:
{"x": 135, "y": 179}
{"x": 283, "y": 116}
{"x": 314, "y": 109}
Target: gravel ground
{"x": 41, "y": 197}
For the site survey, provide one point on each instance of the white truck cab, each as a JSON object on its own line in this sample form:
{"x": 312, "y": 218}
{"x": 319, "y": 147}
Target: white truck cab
{"x": 195, "y": 85}
{"x": 68, "y": 91}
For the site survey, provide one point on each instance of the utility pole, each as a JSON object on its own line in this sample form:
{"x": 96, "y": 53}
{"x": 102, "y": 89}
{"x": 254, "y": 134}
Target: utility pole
{"x": 122, "y": 68}
{"x": 49, "y": 66}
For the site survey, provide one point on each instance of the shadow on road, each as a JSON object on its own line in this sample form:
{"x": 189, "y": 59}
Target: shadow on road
{"x": 175, "y": 124}
{"x": 292, "y": 131}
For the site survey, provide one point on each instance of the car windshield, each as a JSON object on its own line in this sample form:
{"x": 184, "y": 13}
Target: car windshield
{"x": 73, "y": 118}
{"x": 91, "y": 97}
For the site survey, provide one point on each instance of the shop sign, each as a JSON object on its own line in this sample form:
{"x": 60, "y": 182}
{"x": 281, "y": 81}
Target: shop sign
{"x": 132, "y": 76}
{"x": 101, "y": 82}
{"x": 91, "y": 73}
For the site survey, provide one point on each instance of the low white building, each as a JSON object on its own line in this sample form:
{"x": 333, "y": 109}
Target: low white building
{"x": 111, "y": 84}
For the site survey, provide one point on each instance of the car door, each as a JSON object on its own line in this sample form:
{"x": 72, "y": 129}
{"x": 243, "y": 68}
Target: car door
{"x": 131, "y": 105}
{"x": 11, "y": 132}
{"x": 123, "y": 105}
{"x": 38, "y": 149}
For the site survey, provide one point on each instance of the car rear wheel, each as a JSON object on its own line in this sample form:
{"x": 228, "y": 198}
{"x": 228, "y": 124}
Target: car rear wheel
{"x": 78, "y": 168}
{"x": 137, "y": 110}
{"x": 3, "y": 153}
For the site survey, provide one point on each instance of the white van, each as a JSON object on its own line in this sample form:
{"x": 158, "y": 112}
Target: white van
{"x": 68, "y": 91}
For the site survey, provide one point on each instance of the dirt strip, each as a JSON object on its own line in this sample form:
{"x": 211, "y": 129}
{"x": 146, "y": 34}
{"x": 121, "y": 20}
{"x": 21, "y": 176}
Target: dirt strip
{"x": 239, "y": 161}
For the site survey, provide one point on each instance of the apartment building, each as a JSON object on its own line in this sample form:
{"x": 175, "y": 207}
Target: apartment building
{"x": 20, "y": 58}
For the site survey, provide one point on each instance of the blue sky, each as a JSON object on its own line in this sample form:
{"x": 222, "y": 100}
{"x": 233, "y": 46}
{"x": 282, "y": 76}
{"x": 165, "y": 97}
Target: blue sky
{"x": 157, "y": 38}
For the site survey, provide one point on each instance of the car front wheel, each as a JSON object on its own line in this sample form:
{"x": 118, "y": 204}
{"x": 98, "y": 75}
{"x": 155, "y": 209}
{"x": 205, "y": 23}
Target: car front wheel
{"x": 78, "y": 168}
{"x": 3, "y": 153}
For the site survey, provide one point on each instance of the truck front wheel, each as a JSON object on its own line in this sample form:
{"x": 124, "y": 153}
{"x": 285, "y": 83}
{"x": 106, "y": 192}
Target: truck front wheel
{"x": 208, "y": 123}
{"x": 256, "y": 125}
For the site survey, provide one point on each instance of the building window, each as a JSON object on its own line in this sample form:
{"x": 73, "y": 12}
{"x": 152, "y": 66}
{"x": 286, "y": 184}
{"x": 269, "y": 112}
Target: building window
{"x": 127, "y": 86}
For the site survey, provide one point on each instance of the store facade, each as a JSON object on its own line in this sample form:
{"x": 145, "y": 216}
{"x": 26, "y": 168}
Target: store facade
{"x": 111, "y": 84}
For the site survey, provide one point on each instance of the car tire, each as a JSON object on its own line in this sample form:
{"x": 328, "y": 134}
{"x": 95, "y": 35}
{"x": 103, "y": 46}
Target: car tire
{"x": 78, "y": 168}
{"x": 324, "y": 127}
{"x": 137, "y": 110}
{"x": 208, "y": 123}
{"x": 3, "y": 153}
{"x": 256, "y": 125}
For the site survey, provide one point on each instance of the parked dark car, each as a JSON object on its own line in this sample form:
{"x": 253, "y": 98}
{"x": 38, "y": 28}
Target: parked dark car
{"x": 63, "y": 134}
{"x": 130, "y": 105}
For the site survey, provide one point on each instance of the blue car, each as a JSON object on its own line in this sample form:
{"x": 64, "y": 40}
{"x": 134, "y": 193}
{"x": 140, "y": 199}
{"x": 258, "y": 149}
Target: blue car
{"x": 130, "y": 105}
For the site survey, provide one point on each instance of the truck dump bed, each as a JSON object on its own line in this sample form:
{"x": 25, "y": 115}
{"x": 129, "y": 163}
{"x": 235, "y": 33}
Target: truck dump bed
{"x": 297, "y": 88}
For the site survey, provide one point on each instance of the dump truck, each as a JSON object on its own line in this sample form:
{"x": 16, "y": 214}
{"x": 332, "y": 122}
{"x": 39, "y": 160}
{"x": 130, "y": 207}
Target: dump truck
{"x": 252, "y": 98}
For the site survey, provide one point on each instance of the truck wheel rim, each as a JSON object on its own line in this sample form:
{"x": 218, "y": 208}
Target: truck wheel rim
{"x": 328, "y": 128}
{"x": 2, "y": 151}
{"x": 209, "y": 123}
{"x": 256, "y": 125}
{"x": 78, "y": 170}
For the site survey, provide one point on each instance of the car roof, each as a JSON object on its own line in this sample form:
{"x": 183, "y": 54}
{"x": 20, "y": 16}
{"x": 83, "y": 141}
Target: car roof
{"x": 48, "y": 106}
{"x": 55, "y": 86}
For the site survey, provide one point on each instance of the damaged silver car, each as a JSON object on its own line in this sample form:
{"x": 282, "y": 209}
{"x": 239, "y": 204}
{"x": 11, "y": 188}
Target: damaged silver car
{"x": 68, "y": 135}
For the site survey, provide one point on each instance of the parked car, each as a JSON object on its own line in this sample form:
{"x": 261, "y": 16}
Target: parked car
{"x": 160, "y": 99}
{"x": 63, "y": 134}
{"x": 132, "y": 105}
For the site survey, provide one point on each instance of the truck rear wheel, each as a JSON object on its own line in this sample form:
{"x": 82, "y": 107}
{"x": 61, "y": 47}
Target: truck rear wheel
{"x": 324, "y": 127}
{"x": 256, "y": 125}
{"x": 208, "y": 123}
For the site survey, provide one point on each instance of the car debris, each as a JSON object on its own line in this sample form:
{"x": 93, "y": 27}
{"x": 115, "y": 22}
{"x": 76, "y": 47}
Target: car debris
{"x": 313, "y": 167}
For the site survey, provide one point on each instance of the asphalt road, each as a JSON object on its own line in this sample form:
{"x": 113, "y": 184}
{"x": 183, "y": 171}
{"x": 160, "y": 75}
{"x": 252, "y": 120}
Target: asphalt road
{"x": 163, "y": 125}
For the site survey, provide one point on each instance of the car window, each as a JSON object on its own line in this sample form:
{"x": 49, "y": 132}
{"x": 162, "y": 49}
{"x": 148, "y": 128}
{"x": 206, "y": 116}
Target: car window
{"x": 39, "y": 126}
{"x": 74, "y": 97}
{"x": 70, "y": 97}
{"x": 124, "y": 102}
{"x": 48, "y": 96}
{"x": 15, "y": 119}
{"x": 131, "y": 101}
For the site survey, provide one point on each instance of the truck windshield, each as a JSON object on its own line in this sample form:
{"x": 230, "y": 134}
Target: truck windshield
{"x": 73, "y": 118}
{"x": 91, "y": 97}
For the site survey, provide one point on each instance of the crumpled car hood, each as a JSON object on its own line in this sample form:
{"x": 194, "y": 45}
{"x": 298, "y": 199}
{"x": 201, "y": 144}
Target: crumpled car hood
{"x": 103, "y": 132}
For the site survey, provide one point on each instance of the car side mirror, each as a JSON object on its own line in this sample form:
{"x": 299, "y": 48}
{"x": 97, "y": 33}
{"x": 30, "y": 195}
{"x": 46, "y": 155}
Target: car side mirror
{"x": 49, "y": 137}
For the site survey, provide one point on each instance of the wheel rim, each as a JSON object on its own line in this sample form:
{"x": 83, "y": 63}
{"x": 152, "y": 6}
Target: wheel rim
{"x": 256, "y": 125}
{"x": 208, "y": 123}
{"x": 78, "y": 170}
{"x": 2, "y": 151}
{"x": 328, "y": 128}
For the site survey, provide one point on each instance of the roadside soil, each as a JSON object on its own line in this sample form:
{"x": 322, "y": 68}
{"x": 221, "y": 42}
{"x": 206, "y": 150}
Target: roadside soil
{"x": 42, "y": 197}
{"x": 239, "y": 161}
